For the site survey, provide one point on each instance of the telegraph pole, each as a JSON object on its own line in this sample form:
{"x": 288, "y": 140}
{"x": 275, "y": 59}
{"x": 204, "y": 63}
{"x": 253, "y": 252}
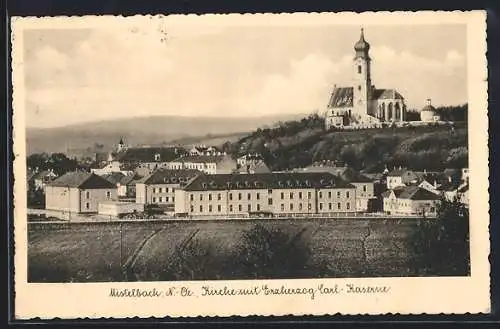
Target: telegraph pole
{"x": 121, "y": 244}
{"x": 69, "y": 205}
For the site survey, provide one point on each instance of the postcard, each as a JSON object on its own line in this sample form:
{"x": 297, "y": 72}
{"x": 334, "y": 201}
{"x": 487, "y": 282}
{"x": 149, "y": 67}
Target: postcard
{"x": 268, "y": 164}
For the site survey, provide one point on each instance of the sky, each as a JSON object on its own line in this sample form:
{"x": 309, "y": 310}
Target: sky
{"x": 88, "y": 74}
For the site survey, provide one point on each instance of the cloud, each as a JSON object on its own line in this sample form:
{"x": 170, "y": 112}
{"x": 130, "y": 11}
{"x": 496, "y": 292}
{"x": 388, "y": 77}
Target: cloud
{"x": 302, "y": 89}
{"x": 133, "y": 72}
{"x": 419, "y": 77}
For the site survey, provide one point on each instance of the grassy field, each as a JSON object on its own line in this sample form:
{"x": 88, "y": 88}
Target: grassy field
{"x": 91, "y": 252}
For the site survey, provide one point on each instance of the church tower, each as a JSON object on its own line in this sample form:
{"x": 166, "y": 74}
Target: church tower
{"x": 362, "y": 84}
{"x": 121, "y": 145}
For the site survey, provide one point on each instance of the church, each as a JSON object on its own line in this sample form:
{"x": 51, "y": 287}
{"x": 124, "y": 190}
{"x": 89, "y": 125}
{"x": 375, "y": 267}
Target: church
{"x": 361, "y": 105}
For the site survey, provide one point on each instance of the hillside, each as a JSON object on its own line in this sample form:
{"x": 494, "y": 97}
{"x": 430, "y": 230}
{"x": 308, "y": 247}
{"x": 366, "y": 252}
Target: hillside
{"x": 299, "y": 143}
{"x": 84, "y": 139}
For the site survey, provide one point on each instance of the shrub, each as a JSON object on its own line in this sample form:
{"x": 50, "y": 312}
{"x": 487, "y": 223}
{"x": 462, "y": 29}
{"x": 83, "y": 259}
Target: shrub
{"x": 269, "y": 252}
{"x": 442, "y": 246}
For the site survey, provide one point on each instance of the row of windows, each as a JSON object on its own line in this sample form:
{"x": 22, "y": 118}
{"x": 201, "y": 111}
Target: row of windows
{"x": 231, "y": 208}
{"x": 219, "y": 197}
{"x": 257, "y": 195}
{"x": 160, "y": 199}
{"x": 160, "y": 190}
{"x": 282, "y": 207}
{"x": 339, "y": 194}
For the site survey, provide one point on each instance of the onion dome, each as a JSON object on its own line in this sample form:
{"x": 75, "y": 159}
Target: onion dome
{"x": 362, "y": 47}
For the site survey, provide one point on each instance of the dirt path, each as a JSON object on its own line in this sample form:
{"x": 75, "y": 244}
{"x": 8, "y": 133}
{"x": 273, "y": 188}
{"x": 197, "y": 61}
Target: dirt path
{"x": 130, "y": 262}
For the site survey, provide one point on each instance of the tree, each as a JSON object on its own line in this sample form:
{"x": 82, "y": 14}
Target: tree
{"x": 412, "y": 115}
{"x": 269, "y": 252}
{"x": 196, "y": 260}
{"x": 441, "y": 246}
{"x": 58, "y": 162}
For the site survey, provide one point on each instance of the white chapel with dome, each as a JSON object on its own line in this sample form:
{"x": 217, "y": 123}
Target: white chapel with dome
{"x": 361, "y": 105}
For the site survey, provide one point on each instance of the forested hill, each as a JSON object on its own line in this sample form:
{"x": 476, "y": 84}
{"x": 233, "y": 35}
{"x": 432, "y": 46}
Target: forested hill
{"x": 295, "y": 144}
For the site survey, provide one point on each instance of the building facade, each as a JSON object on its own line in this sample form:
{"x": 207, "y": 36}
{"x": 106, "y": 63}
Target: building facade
{"x": 279, "y": 194}
{"x": 361, "y": 104}
{"x": 365, "y": 187}
{"x": 78, "y": 192}
{"x": 411, "y": 200}
{"x": 209, "y": 164}
{"x": 401, "y": 177}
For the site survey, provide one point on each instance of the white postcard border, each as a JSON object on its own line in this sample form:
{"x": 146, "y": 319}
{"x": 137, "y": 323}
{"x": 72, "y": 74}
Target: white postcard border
{"x": 449, "y": 295}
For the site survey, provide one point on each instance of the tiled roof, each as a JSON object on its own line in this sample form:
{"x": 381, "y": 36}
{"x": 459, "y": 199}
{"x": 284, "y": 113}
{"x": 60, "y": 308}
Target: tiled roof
{"x": 167, "y": 176}
{"x": 341, "y": 97}
{"x": 83, "y": 180}
{"x": 147, "y": 154}
{"x": 386, "y": 94}
{"x": 412, "y": 192}
{"x": 127, "y": 180}
{"x": 202, "y": 158}
{"x": 400, "y": 173}
{"x": 417, "y": 193}
{"x": 266, "y": 181}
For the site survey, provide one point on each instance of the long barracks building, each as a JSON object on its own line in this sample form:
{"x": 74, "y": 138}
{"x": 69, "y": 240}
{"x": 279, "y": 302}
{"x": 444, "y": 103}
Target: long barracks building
{"x": 269, "y": 193}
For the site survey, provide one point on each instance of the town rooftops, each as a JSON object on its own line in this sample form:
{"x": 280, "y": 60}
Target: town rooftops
{"x": 401, "y": 173}
{"x": 45, "y": 174}
{"x": 202, "y": 158}
{"x": 82, "y": 180}
{"x": 150, "y": 154}
{"x": 411, "y": 193}
{"x": 118, "y": 178}
{"x": 251, "y": 156}
{"x": 167, "y": 176}
{"x": 346, "y": 173}
{"x": 266, "y": 181}
{"x": 386, "y": 94}
{"x": 341, "y": 97}
{"x": 255, "y": 167}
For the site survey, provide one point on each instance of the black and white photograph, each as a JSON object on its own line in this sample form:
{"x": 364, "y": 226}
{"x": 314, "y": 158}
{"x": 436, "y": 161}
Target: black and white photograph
{"x": 163, "y": 150}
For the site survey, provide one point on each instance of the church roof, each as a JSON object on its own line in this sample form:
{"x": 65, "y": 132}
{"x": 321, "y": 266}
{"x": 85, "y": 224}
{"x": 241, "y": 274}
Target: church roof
{"x": 386, "y": 94}
{"x": 341, "y": 97}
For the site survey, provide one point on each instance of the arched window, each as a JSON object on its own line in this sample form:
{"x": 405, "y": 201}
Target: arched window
{"x": 359, "y": 69}
{"x": 389, "y": 112}
{"x": 398, "y": 111}
{"x": 359, "y": 87}
{"x": 382, "y": 113}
